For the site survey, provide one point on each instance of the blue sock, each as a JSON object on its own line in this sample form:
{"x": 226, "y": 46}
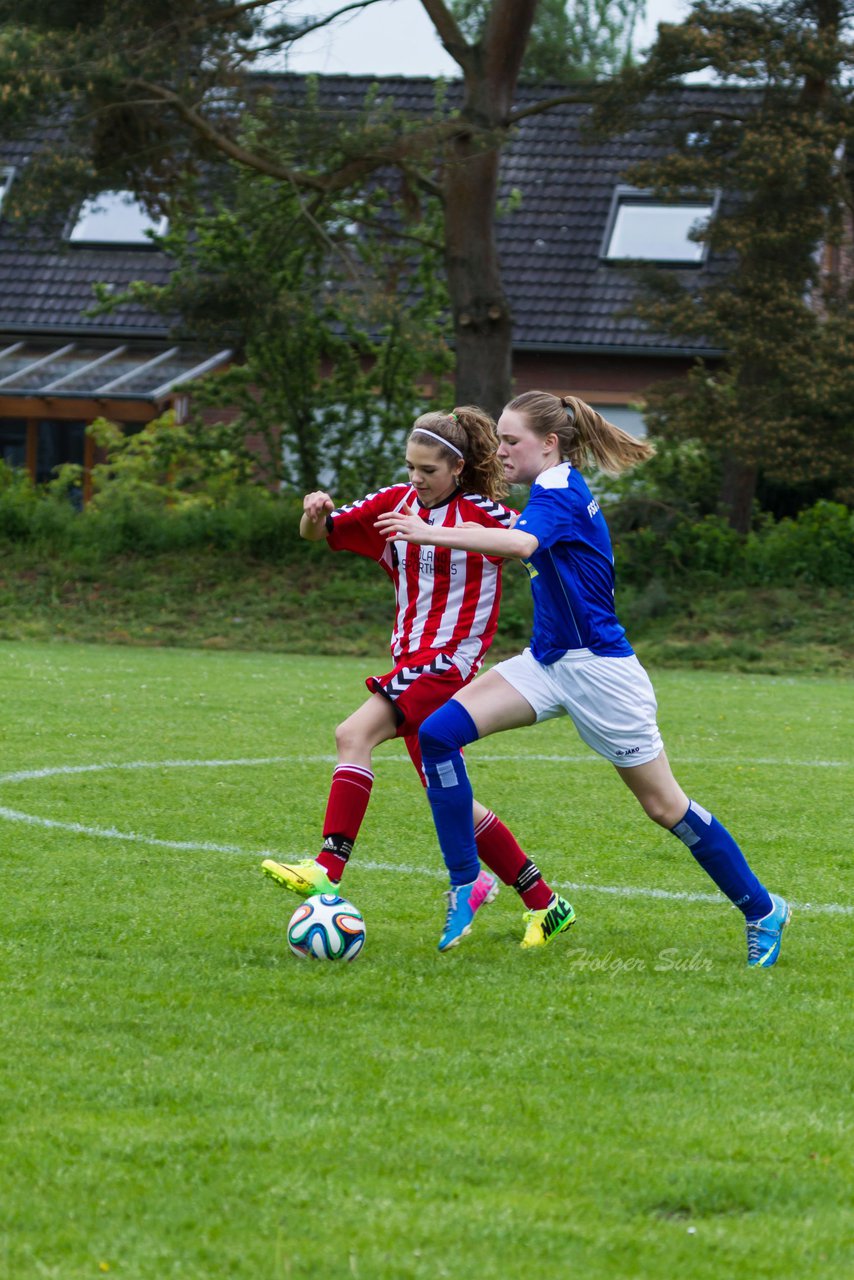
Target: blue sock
{"x": 442, "y": 736}
{"x": 720, "y": 857}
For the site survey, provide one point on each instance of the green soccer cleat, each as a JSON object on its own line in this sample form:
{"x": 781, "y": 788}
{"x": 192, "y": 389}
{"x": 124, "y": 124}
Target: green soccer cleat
{"x": 548, "y": 923}
{"x": 305, "y": 878}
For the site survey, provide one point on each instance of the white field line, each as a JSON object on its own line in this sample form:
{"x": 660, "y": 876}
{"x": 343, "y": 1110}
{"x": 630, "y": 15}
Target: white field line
{"x": 113, "y": 833}
{"x": 55, "y": 771}
{"x": 207, "y": 846}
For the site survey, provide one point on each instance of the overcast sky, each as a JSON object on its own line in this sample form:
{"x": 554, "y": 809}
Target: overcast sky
{"x": 396, "y": 37}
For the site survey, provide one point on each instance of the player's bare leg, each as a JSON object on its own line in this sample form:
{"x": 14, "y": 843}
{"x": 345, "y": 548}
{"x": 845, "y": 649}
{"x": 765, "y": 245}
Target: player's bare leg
{"x": 355, "y": 739}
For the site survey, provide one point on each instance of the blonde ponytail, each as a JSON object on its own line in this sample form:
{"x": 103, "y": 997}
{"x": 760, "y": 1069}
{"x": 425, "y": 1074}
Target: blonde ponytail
{"x": 586, "y": 438}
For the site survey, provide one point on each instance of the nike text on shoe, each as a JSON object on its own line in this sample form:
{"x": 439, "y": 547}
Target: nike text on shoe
{"x": 764, "y": 936}
{"x": 304, "y": 878}
{"x": 548, "y": 923}
{"x": 463, "y": 901}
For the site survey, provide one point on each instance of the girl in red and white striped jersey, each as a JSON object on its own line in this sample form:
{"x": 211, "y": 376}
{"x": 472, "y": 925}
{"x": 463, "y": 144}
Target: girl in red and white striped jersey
{"x": 446, "y": 614}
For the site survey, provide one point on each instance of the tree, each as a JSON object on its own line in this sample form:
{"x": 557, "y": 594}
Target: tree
{"x": 777, "y": 409}
{"x": 151, "y": 92}
{"x": 573, "y": 42}
{"x": 336, "y": 357}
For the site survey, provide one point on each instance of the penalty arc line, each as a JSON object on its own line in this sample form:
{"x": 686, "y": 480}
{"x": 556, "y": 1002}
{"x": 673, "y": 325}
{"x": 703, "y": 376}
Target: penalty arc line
{"x": 55, "y": 771}
{"x": 207, "y": 846}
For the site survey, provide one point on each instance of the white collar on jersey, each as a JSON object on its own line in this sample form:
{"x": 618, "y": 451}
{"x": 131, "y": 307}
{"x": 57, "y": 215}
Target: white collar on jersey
{"x": 556, "y": 477}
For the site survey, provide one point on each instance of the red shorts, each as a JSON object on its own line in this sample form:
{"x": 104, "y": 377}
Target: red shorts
{"x": 415, "y": 692}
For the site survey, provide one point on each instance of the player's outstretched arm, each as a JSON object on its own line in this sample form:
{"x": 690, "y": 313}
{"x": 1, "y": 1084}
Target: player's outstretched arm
{"x": 315, "y": 508}
{"x": 488, "y": 541}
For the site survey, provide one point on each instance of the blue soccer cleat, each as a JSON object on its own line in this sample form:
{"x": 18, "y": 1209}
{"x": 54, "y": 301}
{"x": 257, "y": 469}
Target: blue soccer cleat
{"x": 764, "y": 936}
{"x": 463, "y": 901}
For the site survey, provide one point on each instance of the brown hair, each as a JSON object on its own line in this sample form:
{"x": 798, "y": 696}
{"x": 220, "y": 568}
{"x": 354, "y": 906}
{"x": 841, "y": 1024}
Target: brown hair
{"x": 585, "y": 437}
{"x": 472, "y": 433}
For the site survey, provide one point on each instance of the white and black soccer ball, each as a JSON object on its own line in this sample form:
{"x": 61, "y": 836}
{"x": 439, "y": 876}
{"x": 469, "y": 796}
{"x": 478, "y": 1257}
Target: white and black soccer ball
{"x": 326, "y": 927}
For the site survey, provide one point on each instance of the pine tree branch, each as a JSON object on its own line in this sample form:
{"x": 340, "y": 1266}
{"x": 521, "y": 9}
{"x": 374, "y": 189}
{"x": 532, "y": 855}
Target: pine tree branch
{"x": 228, "y": 147}
{"x": 320, "y": 23}
{"x": 249, "y": 6}
{"x": 398, "y": 154}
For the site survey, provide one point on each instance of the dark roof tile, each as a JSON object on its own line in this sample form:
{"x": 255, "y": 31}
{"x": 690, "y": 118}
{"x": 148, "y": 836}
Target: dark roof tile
{"x": 562, "y": 295}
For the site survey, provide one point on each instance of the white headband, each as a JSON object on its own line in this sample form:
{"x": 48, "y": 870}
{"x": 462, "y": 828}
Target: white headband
{"x": 453, "y": 448}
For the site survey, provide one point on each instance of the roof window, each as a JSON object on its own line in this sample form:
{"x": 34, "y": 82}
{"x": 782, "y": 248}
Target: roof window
{"x": 643, "y": 227}
{"x": 6, "y": 176}
{"x": 115, "y": 218}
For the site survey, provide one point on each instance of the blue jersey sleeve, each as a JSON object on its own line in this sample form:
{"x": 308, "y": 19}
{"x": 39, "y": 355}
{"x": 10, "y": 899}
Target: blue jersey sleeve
{"x": 547, "y": 520}
{"x": 572, "y": 569}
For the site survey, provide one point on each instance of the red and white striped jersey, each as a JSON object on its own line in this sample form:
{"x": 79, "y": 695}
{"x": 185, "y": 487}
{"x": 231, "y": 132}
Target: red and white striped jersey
{"x": 447, "y": 600}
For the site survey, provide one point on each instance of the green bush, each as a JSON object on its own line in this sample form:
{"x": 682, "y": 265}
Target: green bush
{"x": 30, "y": 513}
{"x": 253, "y": 523}
{"x": 708, "y": 549}
{"x": 818, "y": 547}
{"x": 18, "y": 499}
{"x": 246, "y": 519}
{"x": 250, "y": 521}
{"x": 705, "y": 550}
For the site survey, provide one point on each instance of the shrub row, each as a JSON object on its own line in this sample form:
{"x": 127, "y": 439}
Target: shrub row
{"x": 251, "y": 523}
{"x": 816, "y": 547}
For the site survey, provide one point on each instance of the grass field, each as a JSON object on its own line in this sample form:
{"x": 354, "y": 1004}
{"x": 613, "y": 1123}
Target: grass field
{"x": 181, "y": 1097}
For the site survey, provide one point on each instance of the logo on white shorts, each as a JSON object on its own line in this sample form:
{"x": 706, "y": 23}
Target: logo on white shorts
{"x": 627, "y": 751}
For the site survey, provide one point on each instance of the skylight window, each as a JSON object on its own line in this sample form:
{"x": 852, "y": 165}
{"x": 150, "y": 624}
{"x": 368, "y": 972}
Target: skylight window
{"x": 643, "y": 227}
{"x": 5, "y": 183}
{"x": 115, "y": 218}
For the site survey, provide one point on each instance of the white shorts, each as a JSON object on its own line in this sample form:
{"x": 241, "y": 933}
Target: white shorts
{"x": 609, "y": 700}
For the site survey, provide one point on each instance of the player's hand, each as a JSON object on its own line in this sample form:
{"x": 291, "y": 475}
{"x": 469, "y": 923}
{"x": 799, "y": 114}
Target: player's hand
{"x": 403, "y": 524}
{"x": 316, "y": 506}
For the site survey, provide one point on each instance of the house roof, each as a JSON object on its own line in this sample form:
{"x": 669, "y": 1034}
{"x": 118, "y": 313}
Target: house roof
{"x": 84, "y": 371}
{"x": 46, "y": 283}
{"x": 564, "y": 297}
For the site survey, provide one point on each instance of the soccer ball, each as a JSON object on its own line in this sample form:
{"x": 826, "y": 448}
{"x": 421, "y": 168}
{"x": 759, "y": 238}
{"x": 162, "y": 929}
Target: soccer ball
{"x": 326, "y": 927}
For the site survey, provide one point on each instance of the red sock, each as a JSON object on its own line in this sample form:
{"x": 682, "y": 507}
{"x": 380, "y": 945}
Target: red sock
{"x": 345, "y": 809}
{"x": 499, "y": 849}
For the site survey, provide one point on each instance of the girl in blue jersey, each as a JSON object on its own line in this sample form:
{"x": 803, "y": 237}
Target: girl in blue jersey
{"x": 579, "y": 664}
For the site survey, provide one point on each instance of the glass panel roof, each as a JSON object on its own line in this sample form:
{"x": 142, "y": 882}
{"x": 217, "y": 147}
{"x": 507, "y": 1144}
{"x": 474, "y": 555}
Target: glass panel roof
{"x": 69, "y": 369}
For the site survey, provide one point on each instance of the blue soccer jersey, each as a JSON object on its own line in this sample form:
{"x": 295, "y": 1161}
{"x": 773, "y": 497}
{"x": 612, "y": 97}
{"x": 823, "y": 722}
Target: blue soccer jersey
{"x": 572, "y": 570}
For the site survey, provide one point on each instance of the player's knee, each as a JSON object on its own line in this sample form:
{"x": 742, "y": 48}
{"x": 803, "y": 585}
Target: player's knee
{"x": 447, "y": 730}
{"x": 662, "y": 809}
{"x": 347, "y": 737}
{"x": 433, "y": 737}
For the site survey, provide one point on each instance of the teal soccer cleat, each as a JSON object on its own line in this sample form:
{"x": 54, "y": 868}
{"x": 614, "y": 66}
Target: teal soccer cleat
{"x": 764, "y": 936}
{"x": 463, "y": 901}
